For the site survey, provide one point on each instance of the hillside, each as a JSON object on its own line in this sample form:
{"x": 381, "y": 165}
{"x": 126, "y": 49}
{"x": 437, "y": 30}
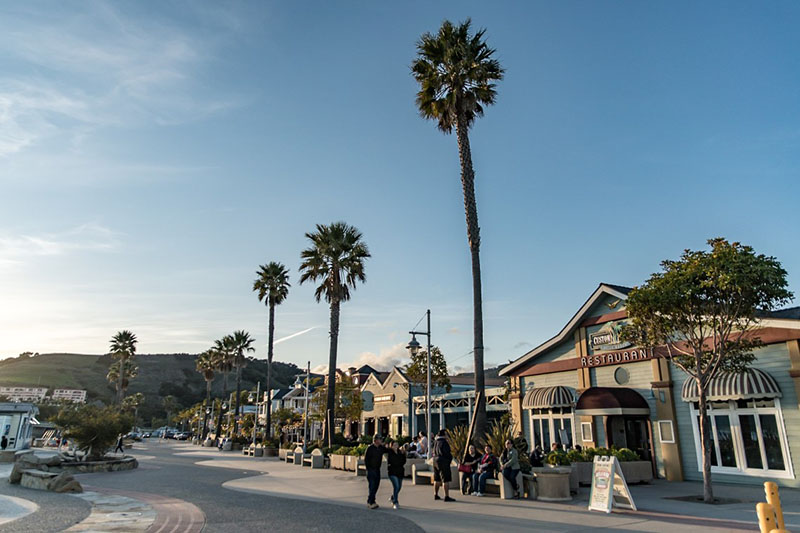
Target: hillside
{"x": 159, "y": 375}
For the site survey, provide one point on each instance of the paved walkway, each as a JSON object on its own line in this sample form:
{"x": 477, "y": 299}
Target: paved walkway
{"x": 657, "y": 511}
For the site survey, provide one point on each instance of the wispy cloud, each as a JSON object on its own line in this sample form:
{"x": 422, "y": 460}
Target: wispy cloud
{"x": 98, "y": 67}
{"x": 92, "y": 237}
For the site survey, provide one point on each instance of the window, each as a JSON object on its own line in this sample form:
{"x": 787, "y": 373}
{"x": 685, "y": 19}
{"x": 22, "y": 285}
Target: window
{"x": 552, "y": 425}
{"x": 586, "y": 432}
{"x": 747, "y": 436}
{"x": 666, "y": 434}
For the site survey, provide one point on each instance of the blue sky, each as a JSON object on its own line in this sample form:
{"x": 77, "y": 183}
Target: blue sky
{"x": 153, "y": 154}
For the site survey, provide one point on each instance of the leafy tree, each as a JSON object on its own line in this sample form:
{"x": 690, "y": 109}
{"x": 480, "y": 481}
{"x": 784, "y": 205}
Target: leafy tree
{"x": 417, "y": 370}
{"x": 122, "y": 380}
{"x": 272, "y": 286}
{"x": 336, "y": 259}
{"x": 93, "y": 429}
{"x": 457, "y": 72}
{"x": 123, "y": 348}
{"x": 241, "y": 342}
{"x": 702, "y": 311}
{"x": 348, "y": 402}
{"x": 170, "y": 406}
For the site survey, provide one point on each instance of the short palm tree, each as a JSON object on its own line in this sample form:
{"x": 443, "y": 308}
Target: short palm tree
{"x": 272, "y": 286}
{"x": 457, "y": 72}
{"x": 123, "y": 348}
{"x": 206, "y": 365}
{"x": 241, "y": 342}
{"x": 336, "y": 259}
{"x": 222, "y": 355}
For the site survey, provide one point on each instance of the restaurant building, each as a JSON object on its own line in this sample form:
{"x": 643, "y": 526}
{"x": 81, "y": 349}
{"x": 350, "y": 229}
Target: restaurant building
{"x": 585, "y": 386}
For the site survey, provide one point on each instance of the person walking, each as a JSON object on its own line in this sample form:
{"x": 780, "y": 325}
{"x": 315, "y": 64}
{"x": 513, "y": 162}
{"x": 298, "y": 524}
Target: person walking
{"x": 119, "y": 445}
{"x": 468, "y": 467}
{"x": 3, "y": 443}
{"x": 442, "y": 458}
{"x": 509, "y": 464}
{"x": 397, "y": 470}
{"x": 486, "y": 469}
{"x": 372, "y": 462}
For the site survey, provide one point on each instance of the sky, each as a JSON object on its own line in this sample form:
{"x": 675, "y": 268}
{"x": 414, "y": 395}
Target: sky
{"x": 154, "y": 154}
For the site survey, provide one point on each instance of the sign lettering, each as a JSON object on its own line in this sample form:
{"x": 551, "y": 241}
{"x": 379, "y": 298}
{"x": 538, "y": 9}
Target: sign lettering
{"x": 385, "y": 398}
{"x": 615, "y": 358}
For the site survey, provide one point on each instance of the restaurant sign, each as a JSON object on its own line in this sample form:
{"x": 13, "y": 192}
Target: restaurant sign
{"x": 607, "y": 338}
{"x": 615, "y": 358}
{"x": 384, "y": 398}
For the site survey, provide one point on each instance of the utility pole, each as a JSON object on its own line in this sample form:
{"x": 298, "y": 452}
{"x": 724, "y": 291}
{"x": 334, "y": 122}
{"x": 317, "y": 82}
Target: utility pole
{"x": 305, "y": 411}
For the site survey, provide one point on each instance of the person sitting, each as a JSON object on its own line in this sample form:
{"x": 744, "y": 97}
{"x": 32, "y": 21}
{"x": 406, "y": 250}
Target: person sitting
{"x": 486, "y": 469}
{"x": 537, "y": 457}
{"x": 470, "y": 461}
{"x": 412, "y": 447}
{"x": 422, "y": 446}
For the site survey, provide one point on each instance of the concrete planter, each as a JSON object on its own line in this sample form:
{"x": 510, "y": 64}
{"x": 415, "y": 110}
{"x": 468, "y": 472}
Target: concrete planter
{"x": 552, "y": 484}
{"x": 282, "y": 454}
{"x": 637, "y": 471}
{"x": 338, "y": 461}
{"x": 270, "y": 452}
{"x": 258, "y": 451}
{"x": 350, "y": 463}
{"x": 574, "y": 480}
{"x": 584, "y": 469}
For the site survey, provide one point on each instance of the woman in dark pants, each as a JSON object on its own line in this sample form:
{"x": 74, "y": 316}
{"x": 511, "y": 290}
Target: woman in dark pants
{"x": 397, "y": 471}
{"x": 471, "y": 460}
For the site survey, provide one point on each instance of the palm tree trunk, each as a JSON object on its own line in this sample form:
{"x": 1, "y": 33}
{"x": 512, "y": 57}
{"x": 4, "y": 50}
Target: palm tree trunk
{"x": 269, "y": 368}
{"x": 218, "y": 429}
{"x": 473, "y": 235}
{"x": 238, "y": 394}
{"x": 120, "y": 379}
{"x": 327, "y": 433}
{"x": 205, "y": 411}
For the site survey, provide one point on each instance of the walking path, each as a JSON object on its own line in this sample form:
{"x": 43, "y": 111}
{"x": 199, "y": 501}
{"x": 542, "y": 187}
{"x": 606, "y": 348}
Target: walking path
{"x": 658, "y": 510}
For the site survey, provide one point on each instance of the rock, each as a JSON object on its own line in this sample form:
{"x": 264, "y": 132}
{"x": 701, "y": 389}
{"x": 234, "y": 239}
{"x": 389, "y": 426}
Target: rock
{"x": 55, "y": 460}
{"x": 37, "y": 479}
{"x": 64, "y": 483}
{"x": 16, "y": 474}
{"x": 22, "y": 453}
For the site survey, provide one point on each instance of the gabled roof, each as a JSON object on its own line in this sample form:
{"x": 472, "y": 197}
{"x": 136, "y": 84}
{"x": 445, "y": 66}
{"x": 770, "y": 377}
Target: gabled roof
{"x": 617, "y": 291}
{"x": 382, "y": 378}
{"x": 280, "y": 393}
{"x": 366, "y": 369}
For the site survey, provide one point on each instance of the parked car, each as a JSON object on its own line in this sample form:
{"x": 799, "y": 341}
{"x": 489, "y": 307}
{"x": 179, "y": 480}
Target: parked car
{"x": 184, "y": 435}
{"x": 146, "y": 435}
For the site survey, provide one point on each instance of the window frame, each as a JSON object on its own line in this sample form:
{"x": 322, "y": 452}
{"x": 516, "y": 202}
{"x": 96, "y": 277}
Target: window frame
{"x": 671, "y": 431}
{"x": 552, "y": 416}
{"x": 732, "y": 412}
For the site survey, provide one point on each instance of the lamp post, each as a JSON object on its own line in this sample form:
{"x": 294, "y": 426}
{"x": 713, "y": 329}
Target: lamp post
{"x": 255, "y": 419}
{"x": 413, "y": 347}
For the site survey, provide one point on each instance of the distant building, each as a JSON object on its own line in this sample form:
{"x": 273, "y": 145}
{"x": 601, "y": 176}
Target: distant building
{"x": 24, "y": 394}
{"x": 70, "y": 395}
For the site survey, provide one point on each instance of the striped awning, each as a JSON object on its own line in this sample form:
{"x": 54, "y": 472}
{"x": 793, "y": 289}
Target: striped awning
{"x": 548, "y": 397}
{"x": 752, "y": 383}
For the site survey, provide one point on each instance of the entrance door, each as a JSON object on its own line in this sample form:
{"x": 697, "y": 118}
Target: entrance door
{"x": 632, "y": 433}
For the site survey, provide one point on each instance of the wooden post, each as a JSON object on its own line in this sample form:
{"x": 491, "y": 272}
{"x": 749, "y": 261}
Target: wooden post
{"x": 766, "y": 517}
{"x": 774, "y": 499}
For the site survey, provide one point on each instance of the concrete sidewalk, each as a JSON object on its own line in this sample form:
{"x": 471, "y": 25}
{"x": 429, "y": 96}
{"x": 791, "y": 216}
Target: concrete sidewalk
{"x": 657, "y": 512}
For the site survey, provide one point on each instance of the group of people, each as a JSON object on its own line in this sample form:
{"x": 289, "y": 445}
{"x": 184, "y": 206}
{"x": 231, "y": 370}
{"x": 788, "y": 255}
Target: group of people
{"x": 478, "y": 468}
{"x": 396, "y": 456}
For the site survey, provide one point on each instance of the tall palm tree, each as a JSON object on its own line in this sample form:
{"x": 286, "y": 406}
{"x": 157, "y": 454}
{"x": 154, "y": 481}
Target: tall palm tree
{"x": 241, "y": 342}
{"x": 336, "y": 258}
{"x": 223, "y": 362}
{"x": 457, "y": 75}
{"x": 272, "y": 286}
{"x": 123, "y": 348}
{"x": 122, "y": 379}
{"x": 206, "y": 365}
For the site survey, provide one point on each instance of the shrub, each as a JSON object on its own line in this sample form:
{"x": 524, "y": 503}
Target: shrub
{"x": 365, "y": 439}
{"x": 359, "y": 450}
{"x": 557, "y": 458}
{"x": 575, "y": 456}
{"x": 94, "y": 429}
{"x": 625, "y": 454}
{"x": 457, "y": 437}
{"x": 342, "y": 450}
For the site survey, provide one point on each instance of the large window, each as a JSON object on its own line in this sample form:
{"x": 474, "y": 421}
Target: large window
{"x": 552, "y": 425}
{"x": 748, "y": 437}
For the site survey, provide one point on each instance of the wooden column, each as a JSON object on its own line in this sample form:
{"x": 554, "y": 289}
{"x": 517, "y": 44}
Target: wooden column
{"x": 516, "y": 405}
{"x": 665, "y": 410}
{"x": 794, "y": 357}
{"x": 584, "y": 382}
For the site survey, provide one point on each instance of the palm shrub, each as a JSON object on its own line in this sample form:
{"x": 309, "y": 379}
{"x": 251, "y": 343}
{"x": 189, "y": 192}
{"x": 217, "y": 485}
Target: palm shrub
{"x": 457, "y": 437}
{"x": 93, "y": 429}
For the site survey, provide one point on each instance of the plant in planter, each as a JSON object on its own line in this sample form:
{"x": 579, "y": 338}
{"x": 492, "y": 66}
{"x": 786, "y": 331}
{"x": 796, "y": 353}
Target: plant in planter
{"x": 557, "y": 458}
{"x": 94, "y": 429}
{"x": 576, "y": 456}
{"x": 625, "y": 455}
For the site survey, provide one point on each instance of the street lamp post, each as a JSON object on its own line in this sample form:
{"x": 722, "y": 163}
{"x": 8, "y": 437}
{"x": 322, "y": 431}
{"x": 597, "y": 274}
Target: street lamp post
{"x": 413, "y": 347}
{"x": 255, "y": 419}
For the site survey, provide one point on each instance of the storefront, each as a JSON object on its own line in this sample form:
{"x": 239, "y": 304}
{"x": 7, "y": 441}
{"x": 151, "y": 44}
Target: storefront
{"x": 386, "y": 410}
{"x": 585, "y": 386}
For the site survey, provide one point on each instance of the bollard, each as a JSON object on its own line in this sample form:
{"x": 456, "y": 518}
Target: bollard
{"x": 766, "y": 517}
{"x": 774, "y": 499}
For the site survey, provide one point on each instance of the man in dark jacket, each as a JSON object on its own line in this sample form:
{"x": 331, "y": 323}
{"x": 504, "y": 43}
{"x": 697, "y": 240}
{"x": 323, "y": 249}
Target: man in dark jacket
{"x": 372, "y": 461}
{"x": 442, "y": 457}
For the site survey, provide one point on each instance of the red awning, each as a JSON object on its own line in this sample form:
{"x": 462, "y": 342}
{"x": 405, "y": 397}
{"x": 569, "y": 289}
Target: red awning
{"x": 604, "y": 401}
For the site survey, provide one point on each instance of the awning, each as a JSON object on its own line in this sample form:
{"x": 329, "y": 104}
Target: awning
{"x": 605, "y": 401}
{"x": 548, "y": 397}
{"x": 752, "y": 383}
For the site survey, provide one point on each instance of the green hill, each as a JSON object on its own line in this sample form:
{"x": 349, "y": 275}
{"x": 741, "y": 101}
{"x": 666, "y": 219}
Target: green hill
{"x": 159, "y": 375}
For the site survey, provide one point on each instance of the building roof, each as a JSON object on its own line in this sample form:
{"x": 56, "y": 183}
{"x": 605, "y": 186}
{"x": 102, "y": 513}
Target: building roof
{"x": 280, "y": 393}
{"x": 470, "y": 380}
{"x": 366, "y": 369}
{"x": 791, "y": 313}
{"x": 618, "y": 291}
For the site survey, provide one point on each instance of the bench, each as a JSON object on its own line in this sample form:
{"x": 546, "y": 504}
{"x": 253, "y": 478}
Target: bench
{"x": 422, "y": 474}
{"x": 503, "y": 485}
{"x": 315, "y": 459}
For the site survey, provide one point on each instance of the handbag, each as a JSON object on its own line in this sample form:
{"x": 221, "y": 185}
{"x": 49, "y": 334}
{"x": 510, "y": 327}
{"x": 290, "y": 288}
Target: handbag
{"x": 467, "y": 469}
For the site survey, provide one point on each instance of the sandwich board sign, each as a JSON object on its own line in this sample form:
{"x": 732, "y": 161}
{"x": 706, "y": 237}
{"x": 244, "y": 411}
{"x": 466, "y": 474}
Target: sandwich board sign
{"x": 609, "y": 488}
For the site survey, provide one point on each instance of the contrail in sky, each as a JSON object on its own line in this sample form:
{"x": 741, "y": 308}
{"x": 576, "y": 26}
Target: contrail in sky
{"x": 293, "y": 335}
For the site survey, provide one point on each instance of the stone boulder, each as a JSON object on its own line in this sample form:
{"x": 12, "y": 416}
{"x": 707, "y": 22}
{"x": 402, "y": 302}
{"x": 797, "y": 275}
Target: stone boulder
{"x": 64, "y": 483}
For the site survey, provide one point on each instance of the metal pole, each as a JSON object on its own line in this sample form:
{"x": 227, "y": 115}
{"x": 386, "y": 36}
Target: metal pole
{"x": 305, "y": 411}
{"x": 428, "y": 399}
{"x": 255, "y": 420}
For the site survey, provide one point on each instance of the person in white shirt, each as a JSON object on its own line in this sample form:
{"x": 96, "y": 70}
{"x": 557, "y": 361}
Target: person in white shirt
{"x": 422, "y": 448}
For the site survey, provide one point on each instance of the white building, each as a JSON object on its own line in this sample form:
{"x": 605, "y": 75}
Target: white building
{"x": 16, "y": 424}
{"x": 24, "y": 394}
{"x": 70, "y": 395}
